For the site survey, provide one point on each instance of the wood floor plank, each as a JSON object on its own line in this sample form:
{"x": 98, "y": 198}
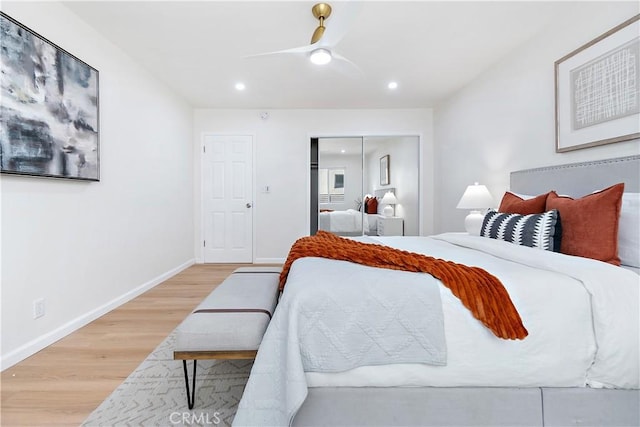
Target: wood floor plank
{"x": 62, "y": 384}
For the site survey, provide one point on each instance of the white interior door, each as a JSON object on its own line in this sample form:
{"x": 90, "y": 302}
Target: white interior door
{"x": 228, "y": 198}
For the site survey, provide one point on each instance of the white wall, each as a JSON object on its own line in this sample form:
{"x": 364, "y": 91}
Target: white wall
{"x": 86, "y": 247}
{"x": 504, "y": 120}
{"x": 282, "y": 146}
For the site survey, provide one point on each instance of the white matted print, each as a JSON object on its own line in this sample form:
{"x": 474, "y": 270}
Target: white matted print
{"x": 598, "y": 90}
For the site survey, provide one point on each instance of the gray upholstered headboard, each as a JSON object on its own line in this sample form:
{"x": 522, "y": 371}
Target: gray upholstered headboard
{"x": 578, "y": 179}
{"x": 381, "y": 192}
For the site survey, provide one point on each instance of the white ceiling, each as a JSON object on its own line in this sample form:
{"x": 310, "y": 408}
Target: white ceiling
{"x": 430, "y": 48}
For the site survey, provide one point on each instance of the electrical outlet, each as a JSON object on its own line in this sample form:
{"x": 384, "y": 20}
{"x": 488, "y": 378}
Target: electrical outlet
{"x": 38, "y": 308}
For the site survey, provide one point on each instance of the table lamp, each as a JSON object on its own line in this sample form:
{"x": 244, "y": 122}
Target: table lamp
{"x": 389, "y": 199}
{"x": 476, "y": 198}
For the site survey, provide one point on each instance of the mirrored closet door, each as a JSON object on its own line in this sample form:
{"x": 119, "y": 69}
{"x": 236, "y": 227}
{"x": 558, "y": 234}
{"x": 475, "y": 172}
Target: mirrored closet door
{"x": 365, "y": 185}
{"x": 339, "y": 186}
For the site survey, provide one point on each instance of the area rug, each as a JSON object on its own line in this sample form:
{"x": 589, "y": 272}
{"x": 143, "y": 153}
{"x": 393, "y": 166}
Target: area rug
{"x": 155, "y": 395}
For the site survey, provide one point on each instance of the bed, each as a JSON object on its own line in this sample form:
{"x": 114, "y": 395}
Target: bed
{"x": 346, "y": 223}
{"x": 357, "y": 345}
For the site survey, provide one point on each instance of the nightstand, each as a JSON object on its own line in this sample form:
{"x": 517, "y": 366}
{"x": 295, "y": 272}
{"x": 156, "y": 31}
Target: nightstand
{"x": 390, "y": 226}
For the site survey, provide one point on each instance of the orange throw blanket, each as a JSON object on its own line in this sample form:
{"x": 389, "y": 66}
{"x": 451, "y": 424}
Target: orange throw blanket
{"x": 482, "y": 293}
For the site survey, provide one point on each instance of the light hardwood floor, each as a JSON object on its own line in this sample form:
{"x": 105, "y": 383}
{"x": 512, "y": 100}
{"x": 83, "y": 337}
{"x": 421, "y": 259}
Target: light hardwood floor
{"x": 62, "y": 384}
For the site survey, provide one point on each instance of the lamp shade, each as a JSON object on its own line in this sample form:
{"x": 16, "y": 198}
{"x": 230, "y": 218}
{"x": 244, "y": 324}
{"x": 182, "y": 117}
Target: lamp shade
{"x": 389, "y": 198}
{"x": 475, "y": 197}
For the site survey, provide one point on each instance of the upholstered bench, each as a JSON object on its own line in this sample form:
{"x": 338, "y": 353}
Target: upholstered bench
{"x": 230, "y": 322}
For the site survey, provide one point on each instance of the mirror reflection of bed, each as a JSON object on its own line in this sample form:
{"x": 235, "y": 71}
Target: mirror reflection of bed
{"x": 349, "y": 172}
{"x": 343, "y": 223}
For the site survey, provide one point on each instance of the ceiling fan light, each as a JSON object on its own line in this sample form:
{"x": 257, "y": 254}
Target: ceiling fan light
{"x": 320, "y": 56}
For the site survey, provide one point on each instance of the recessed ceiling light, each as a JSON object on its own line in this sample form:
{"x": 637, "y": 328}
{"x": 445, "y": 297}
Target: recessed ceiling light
{"x": 392, "y": 85}
{"x": 240, "y": 86}
{"x": 343, "y": 151}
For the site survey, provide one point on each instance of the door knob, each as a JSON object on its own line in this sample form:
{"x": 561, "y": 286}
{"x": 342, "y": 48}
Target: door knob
{"x": 248, "y": 205}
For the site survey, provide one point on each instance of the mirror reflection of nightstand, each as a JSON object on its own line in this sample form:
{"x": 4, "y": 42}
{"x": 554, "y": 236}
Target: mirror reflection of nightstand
{"x": 390, "y": 226}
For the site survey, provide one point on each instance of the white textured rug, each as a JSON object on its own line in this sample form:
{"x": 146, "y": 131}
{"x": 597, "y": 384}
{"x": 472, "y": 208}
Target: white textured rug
{"x": 155, "y": 394}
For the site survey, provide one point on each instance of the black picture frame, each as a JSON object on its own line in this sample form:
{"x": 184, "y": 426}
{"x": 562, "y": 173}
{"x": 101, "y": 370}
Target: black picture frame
{"x": 50, "y": 108}
{"x": 384, "y": 170}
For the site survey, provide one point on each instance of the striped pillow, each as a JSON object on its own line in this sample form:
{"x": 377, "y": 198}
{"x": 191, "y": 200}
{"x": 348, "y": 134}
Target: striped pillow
{"x": 542, "y": 231}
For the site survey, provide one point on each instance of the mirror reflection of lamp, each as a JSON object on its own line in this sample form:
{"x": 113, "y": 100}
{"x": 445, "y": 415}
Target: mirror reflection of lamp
{"x": 476, "y": 198}
{"x": 389, "y": 199}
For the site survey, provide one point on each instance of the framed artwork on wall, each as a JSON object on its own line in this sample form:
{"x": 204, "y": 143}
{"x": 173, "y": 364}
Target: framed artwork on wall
{"x": 597, "y": 90}
{"x": 49, "y": 121}
{"x": 384, "y": 170}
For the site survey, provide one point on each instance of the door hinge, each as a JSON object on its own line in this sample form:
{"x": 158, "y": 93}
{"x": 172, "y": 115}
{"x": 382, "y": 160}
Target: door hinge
{"x": 204, "y": 243}
{"x": 204, "y": 149}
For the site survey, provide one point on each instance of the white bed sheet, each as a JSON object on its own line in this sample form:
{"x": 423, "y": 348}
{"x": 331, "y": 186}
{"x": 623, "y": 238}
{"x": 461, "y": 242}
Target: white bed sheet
{"x": 348, "y": 221}
{"x": 373, "y": 224}
{"x": 582, "y": 317}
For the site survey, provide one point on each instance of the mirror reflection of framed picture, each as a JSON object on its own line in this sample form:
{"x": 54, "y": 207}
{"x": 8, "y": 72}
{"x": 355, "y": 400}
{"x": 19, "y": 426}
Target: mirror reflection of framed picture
{"x": 384, "y": 170}
{"x": 338, "y": 181}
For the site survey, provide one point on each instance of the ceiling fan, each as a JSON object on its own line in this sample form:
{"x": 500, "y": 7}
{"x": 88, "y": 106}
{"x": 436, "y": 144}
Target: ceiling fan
{"x": 321, "y": 50}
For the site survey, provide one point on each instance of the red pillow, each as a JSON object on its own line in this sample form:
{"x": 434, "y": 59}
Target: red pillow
{"x": 372, "y": 206}
{"x": 590, "y": 224}
{"x": 515, "y": 204}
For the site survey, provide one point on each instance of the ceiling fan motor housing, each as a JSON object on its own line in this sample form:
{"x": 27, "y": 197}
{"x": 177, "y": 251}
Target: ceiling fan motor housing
{"x": 321, "y": 10}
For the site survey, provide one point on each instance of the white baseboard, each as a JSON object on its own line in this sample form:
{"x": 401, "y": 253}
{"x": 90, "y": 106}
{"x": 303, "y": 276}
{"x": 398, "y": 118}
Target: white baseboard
{"x": 49, "y": 338}
{"x": 269, "y": 260}
{"x": 256, "y": 261}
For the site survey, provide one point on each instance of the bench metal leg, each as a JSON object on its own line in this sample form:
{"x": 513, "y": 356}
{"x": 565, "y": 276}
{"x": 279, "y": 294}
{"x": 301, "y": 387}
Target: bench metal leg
{"x": 191, "y": 394}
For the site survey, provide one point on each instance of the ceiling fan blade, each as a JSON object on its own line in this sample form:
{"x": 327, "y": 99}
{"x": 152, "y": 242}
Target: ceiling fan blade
{"x": 340, "y": 22}
{"x": 301, "y": 49}
{"x": 346, "y": 66}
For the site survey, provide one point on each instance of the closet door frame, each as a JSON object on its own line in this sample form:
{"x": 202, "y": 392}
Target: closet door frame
{"x": 313, "y": 187}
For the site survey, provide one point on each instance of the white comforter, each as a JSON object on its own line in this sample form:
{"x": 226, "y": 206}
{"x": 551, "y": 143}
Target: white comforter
{"x": 349, "y": 221}
{"x": 328, "y": 324}
{"x": 582, "y": 317}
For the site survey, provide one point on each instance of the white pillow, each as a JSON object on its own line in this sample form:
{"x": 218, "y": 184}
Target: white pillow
{"x": 629, "y": 230}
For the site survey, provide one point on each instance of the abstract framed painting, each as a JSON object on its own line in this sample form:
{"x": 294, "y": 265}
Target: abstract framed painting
{"x": 49, "y": 108}
{"x": 597, "y": 90}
